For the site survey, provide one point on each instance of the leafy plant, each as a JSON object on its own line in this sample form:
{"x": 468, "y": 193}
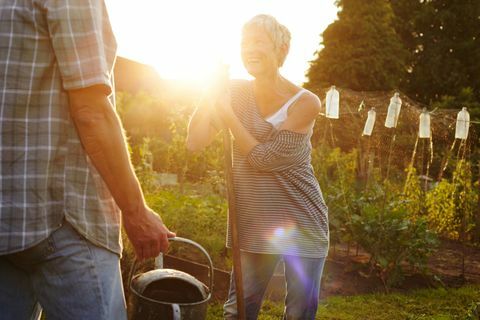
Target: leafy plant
{"x": 391, "y": 239}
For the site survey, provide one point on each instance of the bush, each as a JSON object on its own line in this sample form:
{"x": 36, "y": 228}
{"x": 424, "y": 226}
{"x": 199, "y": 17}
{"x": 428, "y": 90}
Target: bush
{"x": 392, "y": 239}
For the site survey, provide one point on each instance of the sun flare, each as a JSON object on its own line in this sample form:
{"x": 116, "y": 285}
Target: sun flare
{"x": 188, "y": 39}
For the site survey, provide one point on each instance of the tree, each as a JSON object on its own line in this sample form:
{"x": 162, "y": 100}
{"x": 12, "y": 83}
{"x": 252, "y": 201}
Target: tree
{"x": 445, "y": 60}
{"x": 362, "y": 50}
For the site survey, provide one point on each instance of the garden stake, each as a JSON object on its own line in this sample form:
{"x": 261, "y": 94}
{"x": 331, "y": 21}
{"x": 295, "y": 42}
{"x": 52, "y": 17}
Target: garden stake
{"x": 411, "y": 164}
{"x": 463, "y": 145}
{"x": 446, "y": 160}
{"x": 367, "y": 132}
{"x": 430, "y": 160}
{"x": 232, "y": 214}
{"x": 390, "y": 150}
{"x": 391, "y": 121}
{"x": 423, "y": 158}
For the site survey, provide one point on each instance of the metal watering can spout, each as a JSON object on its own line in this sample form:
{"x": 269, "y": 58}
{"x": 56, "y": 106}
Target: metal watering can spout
{"x": 169, "y": 293}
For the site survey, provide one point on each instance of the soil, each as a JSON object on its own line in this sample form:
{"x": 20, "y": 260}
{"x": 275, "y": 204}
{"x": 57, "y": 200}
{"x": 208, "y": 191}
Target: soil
{"x": 347, "y": 273}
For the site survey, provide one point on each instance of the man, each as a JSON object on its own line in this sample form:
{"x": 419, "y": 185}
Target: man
{"x": 65, "y": 173}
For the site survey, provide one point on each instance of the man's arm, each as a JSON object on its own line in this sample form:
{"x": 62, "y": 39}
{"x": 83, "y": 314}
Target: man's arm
{"x": 101, "y": 134}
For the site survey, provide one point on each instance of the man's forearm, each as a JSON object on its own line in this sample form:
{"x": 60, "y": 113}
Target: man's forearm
{"x": 102, "y": 137}
{"x": 101, "y": 134}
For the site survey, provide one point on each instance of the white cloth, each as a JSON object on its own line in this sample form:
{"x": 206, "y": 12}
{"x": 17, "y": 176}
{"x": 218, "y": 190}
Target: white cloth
{"x": 281, "y": 114}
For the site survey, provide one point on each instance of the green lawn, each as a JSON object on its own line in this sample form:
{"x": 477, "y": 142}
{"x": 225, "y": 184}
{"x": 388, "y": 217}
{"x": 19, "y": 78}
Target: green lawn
{"x": 438, "y": 304}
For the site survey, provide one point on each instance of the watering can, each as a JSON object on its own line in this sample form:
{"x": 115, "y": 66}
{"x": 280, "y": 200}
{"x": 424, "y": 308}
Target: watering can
{"x": 169, "y": 293}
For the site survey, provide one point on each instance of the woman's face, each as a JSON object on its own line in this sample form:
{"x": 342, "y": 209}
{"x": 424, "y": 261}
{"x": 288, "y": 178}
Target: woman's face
{"x": 258, "y": 52}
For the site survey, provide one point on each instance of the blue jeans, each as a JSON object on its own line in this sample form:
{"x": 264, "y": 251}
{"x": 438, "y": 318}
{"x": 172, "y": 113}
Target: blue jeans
{"x": 70, "y": 277}
{"x": 302, "y": 277}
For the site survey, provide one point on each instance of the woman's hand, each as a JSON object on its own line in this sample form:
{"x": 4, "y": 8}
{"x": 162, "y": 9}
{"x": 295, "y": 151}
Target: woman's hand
{"x": 224, "y": 107}
{"x": 205, "y": 122}
{"x": 221, "y": 96}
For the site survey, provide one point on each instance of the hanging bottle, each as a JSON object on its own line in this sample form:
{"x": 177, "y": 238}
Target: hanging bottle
{"x": 393, "y": 111}
{"x": 463, "y": 124}
{"x": 424, "y": 124}
{"x": 332, "y": 103}
{"x": 367, "y": 130}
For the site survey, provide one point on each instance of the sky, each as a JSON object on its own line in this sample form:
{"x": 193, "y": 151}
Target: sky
{"x": 187, "y": 39}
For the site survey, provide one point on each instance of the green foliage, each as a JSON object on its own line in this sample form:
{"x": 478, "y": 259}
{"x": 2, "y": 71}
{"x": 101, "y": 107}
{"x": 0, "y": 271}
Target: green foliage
{"x": 199, "y": 215}
{"x": 442, "y": 216}
{"x": 463, "y": 98}
{"x": 142, "y": 115}
{"x": 157, "y": 135}
{"x": 413, "y": 197}
{"x": 465, "y": 196}
{"x": 452, "y": 205}
{"x": 144, "y": 168}
{"x": 391, "y": 238}
{"x": 460, "y": 304}
{"x": 189, "y": 165}
{"x": 446, "y": 56}
{"x": 336, "y": 173}
{"x": 362, "y": 50}
{"x": 387, "y": 225}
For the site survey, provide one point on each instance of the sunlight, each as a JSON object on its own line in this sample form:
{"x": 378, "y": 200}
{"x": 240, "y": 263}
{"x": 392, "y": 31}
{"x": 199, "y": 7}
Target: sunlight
{"x": 187, "y": 39}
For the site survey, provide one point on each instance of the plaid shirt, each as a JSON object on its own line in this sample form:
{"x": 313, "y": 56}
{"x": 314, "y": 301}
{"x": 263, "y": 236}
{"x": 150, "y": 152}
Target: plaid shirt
{"x": 46, "y": 48}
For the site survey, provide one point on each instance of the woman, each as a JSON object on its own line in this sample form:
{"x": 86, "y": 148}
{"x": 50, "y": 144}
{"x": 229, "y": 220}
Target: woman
{"x": 281, "y": 211}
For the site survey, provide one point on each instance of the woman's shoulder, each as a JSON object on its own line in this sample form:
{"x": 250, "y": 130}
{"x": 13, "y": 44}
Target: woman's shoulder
{"x": 308, "y": 102}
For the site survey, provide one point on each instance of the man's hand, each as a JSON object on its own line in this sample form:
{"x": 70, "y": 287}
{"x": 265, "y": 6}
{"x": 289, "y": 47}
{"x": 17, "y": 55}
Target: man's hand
{"x": 147, "y": 233}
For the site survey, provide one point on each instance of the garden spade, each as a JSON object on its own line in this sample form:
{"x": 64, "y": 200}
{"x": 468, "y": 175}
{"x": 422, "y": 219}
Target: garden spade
{"x": 232, "y": 212}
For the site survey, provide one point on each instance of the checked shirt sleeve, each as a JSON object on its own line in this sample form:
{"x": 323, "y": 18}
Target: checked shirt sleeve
{"x": 83, "y": 41}
{"x": 285, "y": 150}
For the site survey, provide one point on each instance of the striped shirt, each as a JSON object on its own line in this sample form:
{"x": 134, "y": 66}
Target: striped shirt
{"x": 46, "y": 48}
{"x": 280, "y": 207}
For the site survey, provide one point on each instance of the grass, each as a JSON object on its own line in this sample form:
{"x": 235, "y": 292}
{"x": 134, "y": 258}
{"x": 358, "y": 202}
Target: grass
{"x": 433, "y": 304}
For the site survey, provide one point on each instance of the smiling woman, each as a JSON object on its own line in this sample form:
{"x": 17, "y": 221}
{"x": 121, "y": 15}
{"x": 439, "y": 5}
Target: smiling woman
{"x": 187, "y": 39}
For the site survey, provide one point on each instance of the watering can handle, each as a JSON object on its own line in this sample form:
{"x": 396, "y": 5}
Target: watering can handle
{"x": 205, "y": 253}
{"x": 184, "y": 240}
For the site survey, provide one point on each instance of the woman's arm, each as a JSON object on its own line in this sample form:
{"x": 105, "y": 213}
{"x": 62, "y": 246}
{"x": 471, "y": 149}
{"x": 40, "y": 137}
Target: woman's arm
{"x": 205, "y": 123}
{"x": 201, "y": 130}
{"x": 300, "y": 119}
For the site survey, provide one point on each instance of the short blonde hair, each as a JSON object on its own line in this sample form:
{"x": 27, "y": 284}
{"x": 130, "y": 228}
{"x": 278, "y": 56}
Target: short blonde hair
{"x": 279, "y": 34}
